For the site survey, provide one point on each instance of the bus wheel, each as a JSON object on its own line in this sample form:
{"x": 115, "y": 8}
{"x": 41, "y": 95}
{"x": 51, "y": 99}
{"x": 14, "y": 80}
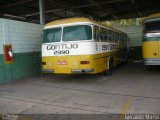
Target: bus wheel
{"x": 110, "y": 67}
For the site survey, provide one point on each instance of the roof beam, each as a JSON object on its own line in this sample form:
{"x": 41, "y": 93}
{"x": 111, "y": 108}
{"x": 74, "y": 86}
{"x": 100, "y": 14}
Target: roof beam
{"x": 100, "y": 3}
{"x": 106, "y": 9}
{"x": 134, "y": 3}
{"x": 13, "y": 16}
{"x": 94, "y": 3}
{"x": 57, "y": 3}
{"x": 56, "y": 15}
{"x": 14, "y": 4}
{"x": 62, "y": 6}
{"x": 75, "y": 7}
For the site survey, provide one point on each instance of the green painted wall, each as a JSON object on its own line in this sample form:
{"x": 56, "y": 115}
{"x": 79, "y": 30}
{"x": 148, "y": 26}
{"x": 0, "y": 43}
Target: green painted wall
{"x": 26, "y": 39}
{"x": 24, "y": 65}
{"x": 2, "y": 70}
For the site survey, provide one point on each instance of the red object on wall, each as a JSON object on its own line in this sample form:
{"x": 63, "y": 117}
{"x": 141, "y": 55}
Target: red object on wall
{"x": 8, "y": 54}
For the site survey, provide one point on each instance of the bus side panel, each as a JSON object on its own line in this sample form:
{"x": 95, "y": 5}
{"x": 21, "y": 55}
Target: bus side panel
{"x": 117, "y": 57}
{"x": 159, "y": 47}
{"x": 101, "y": 61}
{"x": 89, "y": 58}
{"x": 150, "y": 49}
{"x": 99, "y": 65}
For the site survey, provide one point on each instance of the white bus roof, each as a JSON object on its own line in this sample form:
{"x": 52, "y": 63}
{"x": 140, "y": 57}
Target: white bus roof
{"x": 74, "y": 21}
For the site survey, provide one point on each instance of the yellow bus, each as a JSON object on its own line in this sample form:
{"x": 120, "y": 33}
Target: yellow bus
{"x": 151, "y": 40}
{"x": 81, "y": 45}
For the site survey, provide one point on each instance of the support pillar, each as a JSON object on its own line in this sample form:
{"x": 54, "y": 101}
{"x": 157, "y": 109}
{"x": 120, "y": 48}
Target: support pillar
{"x": 41, "y": 12}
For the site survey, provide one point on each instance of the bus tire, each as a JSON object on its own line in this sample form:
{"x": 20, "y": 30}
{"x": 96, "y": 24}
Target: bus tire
{"x": 109, "y": 71}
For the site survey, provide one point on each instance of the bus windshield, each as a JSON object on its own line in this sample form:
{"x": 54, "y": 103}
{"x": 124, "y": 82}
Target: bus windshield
{"x": 152, "y": 26}
{"x": 75, "y": 33}
{"x": 52, "y": 35}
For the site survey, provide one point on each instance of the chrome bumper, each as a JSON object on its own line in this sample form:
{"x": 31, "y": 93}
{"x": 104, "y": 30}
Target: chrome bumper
{"x": 47, "y": 70}
{"x": 76, "y": 71}
{"x": 152, "y": 61}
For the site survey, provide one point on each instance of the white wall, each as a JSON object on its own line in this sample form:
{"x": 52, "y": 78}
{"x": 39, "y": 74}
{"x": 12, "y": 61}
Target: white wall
{"x": 1, "y": 36}
{"x": 134, "y": 33}
{"x": 24, "y": 37}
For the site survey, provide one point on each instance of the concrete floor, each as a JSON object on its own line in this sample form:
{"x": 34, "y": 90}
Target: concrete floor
{"x": 131, "y": 89}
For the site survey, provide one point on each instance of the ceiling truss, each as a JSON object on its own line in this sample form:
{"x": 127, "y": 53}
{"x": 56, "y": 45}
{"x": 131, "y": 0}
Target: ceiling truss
{"x": 28, "y": 10}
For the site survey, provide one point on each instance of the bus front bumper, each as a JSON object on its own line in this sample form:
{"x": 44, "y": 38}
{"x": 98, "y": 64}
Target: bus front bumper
{"x": 78, "y": 71}
{"x": 47, "y": 70}
{"x": 68, "y": 71}
{"x": 152, "y": 61}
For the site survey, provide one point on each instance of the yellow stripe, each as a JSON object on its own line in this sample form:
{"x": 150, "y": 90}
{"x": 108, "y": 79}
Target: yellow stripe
{"x": 125, "y": 108}
{"x": 128, "y": 103}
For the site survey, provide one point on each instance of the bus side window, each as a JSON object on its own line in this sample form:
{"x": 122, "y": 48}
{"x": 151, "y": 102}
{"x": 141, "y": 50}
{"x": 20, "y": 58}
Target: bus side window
{"x": 101, "y": 34}
{"x": 125, "y": 41}
{"x": 123, "y": 38}
{"x": 115, "y": 37}
{"x": 96, "y": 33}
{"x": 105, "y": 35}
{"x": 112, "y": 36}
{"x": 109, "y": 36}
{"x": 119, "y": 37}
